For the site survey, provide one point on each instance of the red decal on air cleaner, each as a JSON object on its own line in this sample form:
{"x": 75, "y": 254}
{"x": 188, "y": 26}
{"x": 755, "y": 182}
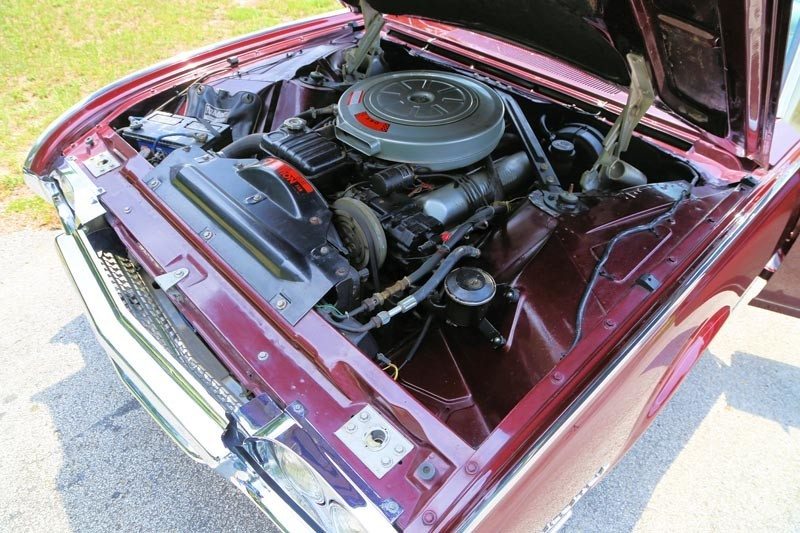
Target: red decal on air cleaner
{"x": 290, "y": 175}
{"x": 372, "y": 123}
{"x": 355, "y": 97}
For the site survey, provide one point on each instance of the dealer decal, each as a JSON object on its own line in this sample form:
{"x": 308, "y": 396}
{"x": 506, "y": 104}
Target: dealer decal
{"x": 371, "y": 123}
{"x": 291, "y": 176}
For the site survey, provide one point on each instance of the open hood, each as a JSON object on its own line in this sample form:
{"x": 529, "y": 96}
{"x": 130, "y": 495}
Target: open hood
{"x": 717, "y": 64}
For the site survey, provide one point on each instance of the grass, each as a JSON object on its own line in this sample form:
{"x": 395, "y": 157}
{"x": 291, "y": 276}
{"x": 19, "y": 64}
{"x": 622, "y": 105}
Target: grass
{"x": 55, "y": 52}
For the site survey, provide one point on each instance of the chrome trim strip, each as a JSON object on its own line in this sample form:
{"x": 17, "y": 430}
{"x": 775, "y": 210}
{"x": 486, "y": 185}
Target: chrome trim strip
{"x": 193, "y": 418}
{"x": 654, "y": 324}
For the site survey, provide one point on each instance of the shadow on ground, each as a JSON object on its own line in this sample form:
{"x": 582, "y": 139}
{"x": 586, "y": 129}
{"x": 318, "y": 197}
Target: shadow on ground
{"x": 752, "y": 384}
{"x": 119, "y": 470}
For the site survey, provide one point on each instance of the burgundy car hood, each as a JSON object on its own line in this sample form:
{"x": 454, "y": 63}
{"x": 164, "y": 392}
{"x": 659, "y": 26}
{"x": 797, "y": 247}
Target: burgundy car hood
{"x": 717, "y": 64}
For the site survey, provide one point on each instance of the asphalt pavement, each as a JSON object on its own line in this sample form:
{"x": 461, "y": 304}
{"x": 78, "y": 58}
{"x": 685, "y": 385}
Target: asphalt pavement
{"x": 77, "y": 453}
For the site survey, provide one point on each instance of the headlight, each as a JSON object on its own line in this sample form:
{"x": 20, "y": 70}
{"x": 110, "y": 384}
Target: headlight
{"x": 299, "y": 474}
{"x": 343, "y": 520}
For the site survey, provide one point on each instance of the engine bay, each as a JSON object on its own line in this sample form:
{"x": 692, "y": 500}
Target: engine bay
{"x": 451, "y": 229}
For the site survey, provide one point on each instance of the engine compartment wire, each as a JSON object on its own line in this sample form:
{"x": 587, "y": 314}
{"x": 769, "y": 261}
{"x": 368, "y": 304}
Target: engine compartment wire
{"x": 597, "y": 271}
{"x": 394, "y": 368}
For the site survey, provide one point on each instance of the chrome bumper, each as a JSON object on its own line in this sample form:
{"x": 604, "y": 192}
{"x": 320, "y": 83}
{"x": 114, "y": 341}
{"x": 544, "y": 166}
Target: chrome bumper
{"x": 183, "y": 406}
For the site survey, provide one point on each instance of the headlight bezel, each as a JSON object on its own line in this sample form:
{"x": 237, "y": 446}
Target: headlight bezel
{"x": 295, "y": 436}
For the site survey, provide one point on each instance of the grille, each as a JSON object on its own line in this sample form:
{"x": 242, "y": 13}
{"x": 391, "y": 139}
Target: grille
{"x": 134, "y": 292}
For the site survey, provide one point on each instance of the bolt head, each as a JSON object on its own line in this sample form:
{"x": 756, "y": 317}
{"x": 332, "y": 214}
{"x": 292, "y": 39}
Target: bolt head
{"x": 323, "y": 250}
{"x": 281, "y": 303}
{"x": 399, "y": 449}
{"x": 351, "y": 427}
{"x": 297, "y": 408}
{"x": 316, "y": 221}
{"x": 364, "y": 417}
{"x": 426, "y": 471}
{"x": 386, "y": 461}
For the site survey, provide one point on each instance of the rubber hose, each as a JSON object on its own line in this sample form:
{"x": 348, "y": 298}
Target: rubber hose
{"x": 444, "y": 268}
{"x": 247, "y": 146}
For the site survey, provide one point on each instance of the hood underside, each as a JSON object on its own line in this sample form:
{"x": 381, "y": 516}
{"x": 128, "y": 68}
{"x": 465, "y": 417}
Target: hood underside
{"x": 716, "y": 64}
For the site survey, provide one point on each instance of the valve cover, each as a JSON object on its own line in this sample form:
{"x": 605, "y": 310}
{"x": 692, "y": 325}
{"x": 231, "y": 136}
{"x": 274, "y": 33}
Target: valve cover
{"x": 437, "y": 120}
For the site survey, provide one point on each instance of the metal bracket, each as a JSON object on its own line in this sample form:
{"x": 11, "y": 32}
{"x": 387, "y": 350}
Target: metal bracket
{"x": 488, "y": 330}
{"x": 101, "y": 163}
{"x": 542, "y": 168}
{"x": 169, "y": 279}
{"x": 369, "y": 44}
{"x": 80, "y": 191}
{"x": 640, "y": 97}
{"x": 374, "y": 441}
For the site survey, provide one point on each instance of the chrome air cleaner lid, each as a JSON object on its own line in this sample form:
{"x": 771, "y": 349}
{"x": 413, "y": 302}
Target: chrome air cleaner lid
{"x": 438, "y": 120}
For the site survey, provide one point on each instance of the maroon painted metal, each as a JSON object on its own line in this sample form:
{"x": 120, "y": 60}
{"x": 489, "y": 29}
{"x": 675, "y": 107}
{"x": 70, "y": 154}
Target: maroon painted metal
{"x": 313, "y": 364}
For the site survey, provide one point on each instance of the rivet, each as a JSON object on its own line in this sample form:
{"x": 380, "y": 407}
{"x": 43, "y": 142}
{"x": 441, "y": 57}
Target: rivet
{"x": 154, "y": 183}
{"x": 316, "y": 221}
{"x": 557, "y": 377}
{"x": 127, "y": 209}
{"x": 281, "y": 304}
{"x": 323, "y": 250}
{"x": 263, "y": 356}
{"x": 297, "y": 408}
{"x": 341, "y": 271}
{"x": 391, "y": 506}
{"x": 471, "y": 467}
{"x": 207, "y": 234}
{"x": 609, "y": 323}
{"x": 672, "y": 259}
{"x": 429, "y": 517}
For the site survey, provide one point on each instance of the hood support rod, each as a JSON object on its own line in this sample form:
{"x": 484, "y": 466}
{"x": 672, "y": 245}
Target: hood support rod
{"x": 369, "y": 44}
{"x": 640, "y": 97}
